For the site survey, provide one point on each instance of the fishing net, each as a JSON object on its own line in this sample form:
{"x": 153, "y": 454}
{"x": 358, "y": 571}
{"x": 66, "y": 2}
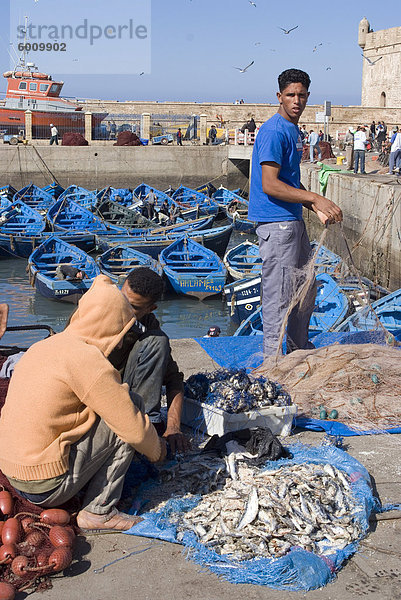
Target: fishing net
{"x": 74, "y": 139}
{"x": 36, "y": 550}
{"x": 278, "y": 562}
{"x": 356, "y": 383}
{"x": 126, "y": 138}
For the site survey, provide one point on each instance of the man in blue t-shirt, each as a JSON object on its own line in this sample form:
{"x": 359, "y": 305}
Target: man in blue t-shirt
{"x": 276, "y": 200}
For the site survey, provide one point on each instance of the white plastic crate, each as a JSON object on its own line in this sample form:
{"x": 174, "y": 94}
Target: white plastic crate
{"x": 213, "y": 420}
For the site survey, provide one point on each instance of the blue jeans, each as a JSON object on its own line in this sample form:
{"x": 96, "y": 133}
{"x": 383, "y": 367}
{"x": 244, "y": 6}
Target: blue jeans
{"x": 146, "y": 368}
{"x": 312, "y": 151}
{"x": 359, "y": 155}
{"x": 395, "y": 160}
{"x": 285, "y": 250}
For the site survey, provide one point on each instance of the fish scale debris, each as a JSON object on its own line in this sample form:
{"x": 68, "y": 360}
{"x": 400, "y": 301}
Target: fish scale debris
{"x": 265, "y": 513}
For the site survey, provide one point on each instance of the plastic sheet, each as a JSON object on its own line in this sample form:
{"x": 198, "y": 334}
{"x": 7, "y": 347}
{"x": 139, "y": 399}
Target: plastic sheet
{"x": 298, "y": 570}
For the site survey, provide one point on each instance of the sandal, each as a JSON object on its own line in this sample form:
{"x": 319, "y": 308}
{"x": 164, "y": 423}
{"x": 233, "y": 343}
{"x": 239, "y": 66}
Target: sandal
{"x": 113, "y": 522}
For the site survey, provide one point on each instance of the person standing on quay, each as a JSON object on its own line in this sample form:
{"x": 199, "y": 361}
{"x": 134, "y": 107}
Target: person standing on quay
{"x": 53, "y": 134}
{"x": 212, "y": 135}
{"x": 179, "y": 137}
{"x": 359, "y": 149}
{"x": 314, "y": 145}
{"x": 276, "y": 200}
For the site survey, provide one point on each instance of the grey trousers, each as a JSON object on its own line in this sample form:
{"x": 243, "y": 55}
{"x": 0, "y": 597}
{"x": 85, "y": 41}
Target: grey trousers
{"x": 146, "y": 368}
{"x": 285, "y": 249}
{"x": 99, "y": 459}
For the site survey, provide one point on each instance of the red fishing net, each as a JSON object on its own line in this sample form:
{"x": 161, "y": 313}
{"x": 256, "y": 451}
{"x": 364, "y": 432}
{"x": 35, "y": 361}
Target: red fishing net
{"x": 73, "y": 139}
{"x": 126, "y": 138}
{"x": 32, "y": 547}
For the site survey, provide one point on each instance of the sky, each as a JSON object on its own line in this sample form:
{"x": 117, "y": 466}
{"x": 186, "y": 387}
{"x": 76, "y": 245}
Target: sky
{"x": 187, "y": 50}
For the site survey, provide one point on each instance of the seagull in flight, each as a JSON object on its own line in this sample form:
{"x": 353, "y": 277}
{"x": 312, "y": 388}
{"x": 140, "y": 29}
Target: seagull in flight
{"x": 252, "y": 3}
{"x": 372, "y": 62}
{"x": 143, "y": 73}
{"x": 328, "y": 68}
{"x": 245, "y": 68}
{"x": 257, "y": 43}
{"x": 287, "y": 31}
{"x": 316, "y": 47}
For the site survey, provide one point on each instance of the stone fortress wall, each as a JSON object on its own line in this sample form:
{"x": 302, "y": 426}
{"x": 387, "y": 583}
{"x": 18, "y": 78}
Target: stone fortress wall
{"x": 381, "y": 81}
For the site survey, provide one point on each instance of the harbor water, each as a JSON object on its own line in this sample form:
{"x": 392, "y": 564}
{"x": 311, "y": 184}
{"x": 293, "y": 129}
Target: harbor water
{"x": 179, "y": 316}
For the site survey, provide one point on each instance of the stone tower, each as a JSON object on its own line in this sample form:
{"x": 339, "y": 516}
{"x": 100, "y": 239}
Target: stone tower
{"x": 381, "y": 80}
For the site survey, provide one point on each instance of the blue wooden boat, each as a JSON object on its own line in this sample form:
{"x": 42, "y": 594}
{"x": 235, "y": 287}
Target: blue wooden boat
{"x": 187, "y": 211}
{"x": 54, "y": 189}
{"x": 243, "y": 261}
{"x": 360, "y": 289}
{"x": 180, "y": 226}
{"x": 223, "y": 197}
{"x": 143, "y": 189}
{"x": 242, "y": 298}
{"x": 331, "y": 308}
{"x": 22, "y": 246}
{"x": 215, "y": 239}
{"x": 117, "y": 262}
{"x": 187, "y": 198}
{"x": 237, "y": 214}
{"x": 7, "y": 192}
{"x": 207, "y": 188}
{"x": 123, "y": 196}
{"x": 21, "y": 219}
{"x": 386, "y": 309}
{"x": 4, "y": 202}
{"x": 35, "y": 197}
{"x": 42, "y": 265}
{"x": 192, "y": 269}
{"x": 120, "y": 215}
{"x": 80, "y": 195}
{"x": 68, "y": 215}
{"x": 326, "y": 260}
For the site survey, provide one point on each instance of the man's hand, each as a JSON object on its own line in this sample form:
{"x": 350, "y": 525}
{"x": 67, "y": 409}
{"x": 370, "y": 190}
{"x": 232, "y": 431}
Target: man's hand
{"x": 177, "y": 440}
{"x": 327, "y": 211}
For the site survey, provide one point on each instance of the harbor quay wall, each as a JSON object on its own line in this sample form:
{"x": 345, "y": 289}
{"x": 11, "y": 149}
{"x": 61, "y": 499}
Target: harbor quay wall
{"x": 95, "y": 167}
{"x": 371, "y": 226}
{"x": 235, "y": 115}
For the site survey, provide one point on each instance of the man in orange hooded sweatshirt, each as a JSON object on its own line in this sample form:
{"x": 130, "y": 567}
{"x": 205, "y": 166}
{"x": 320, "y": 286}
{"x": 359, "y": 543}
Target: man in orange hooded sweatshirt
{"x": 69, "y": 422}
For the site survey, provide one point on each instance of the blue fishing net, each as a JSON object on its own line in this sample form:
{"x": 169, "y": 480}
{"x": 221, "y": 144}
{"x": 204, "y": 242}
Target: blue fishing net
{"x": 299, "y": 570}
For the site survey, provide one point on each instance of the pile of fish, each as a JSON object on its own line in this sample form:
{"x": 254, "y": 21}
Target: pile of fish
{"x": 253, "y": 513}
{"x": 233, "y": 391}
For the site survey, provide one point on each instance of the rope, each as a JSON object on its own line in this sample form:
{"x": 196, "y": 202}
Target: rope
{"x": 44, "y": 163}
{"x": 388, "y": 336}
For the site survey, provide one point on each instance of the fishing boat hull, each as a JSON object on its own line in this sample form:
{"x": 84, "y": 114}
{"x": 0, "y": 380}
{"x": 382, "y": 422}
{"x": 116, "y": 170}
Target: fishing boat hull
{"x": 195, "y": 286}
{"x": 331, "y": 308}
{"x": 42, "y": 265}
{"x": 117, "y": 262}
{"x": 386, "y": 310}
{"x": 215, "y": 239}
{"x": 22, "y": 246}
{"x": 192, "y": 269}
{"x": 242, "y": 298}
{"x": 243, "y": 261}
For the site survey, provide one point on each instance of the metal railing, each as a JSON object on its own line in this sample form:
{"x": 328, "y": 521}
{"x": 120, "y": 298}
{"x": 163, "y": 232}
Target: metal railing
{"x": 241, "y": 138}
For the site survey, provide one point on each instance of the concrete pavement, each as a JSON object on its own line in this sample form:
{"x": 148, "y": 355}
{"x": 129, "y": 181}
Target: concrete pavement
{"x": 152, "y": 569}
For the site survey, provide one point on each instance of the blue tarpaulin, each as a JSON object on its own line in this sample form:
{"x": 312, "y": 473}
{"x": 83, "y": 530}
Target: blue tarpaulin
{"x": 299, "y": 570}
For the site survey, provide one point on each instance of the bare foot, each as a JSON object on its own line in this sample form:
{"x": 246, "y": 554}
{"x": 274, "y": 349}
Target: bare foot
{"x": 113, "y": 521}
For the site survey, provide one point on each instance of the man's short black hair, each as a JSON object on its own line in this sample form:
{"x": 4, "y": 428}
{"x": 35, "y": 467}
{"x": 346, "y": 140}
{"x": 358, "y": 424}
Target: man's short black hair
{"x": 293, "y": 76}
{"x": 146, "y": 283}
